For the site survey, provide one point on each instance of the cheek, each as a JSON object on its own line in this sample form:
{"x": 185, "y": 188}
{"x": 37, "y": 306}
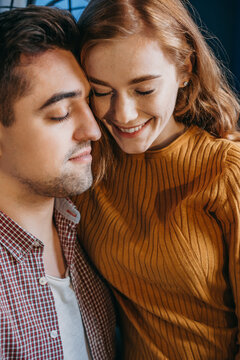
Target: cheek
{"x": 170, "y": 106}
{"x": 100, "y": 107}
{"x": 152, "y": 106}
{"x": 161, "y": 105}
{"x": 48, "y": 151}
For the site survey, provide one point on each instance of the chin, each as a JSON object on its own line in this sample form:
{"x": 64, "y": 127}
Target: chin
{"x": 128, "y": 149}
{"x": 133, "y": 151}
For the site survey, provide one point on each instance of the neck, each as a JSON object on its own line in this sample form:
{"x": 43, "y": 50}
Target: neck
{"x": 31, "y": 211}
{"x": 34, "y": 213}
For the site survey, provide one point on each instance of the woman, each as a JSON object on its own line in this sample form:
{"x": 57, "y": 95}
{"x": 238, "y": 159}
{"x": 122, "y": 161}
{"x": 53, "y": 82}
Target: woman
{"x": 164, "y": 227}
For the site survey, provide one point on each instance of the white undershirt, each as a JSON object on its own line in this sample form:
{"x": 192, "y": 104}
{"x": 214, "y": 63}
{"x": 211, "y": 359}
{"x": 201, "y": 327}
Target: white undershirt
{"x": 74, "y": 341}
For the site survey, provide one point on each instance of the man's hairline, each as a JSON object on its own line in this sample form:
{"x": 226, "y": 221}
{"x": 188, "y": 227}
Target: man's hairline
{"x": 26, "y": 59}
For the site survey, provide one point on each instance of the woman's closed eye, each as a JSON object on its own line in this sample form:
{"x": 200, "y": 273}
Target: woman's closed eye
{"x": 60, "y": 118}
{"x": 147, "y": 92}
{"x": 101, "y": 93}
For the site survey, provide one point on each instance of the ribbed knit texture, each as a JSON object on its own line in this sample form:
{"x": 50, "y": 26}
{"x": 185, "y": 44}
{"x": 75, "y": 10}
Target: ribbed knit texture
{"x": 165, "y": 232}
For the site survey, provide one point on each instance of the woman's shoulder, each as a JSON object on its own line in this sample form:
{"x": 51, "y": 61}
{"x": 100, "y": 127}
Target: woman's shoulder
{"x": 231, "y": 161}
{"x": 208, "y": 154}
{"x": 226, "y": 148}
{"x": 226, "y": 155}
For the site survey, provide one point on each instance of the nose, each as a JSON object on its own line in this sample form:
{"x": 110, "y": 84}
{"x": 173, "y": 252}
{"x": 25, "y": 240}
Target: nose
{"x": 125, "y": 110}
{"x": 86, "y": 126}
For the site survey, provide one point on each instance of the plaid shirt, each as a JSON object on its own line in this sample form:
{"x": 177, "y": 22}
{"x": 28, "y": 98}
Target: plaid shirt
{"x": 28, "y": 320}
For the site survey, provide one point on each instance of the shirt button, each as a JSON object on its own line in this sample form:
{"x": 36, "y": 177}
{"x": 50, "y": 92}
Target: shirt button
{"x": 54, "y": 334}
{"x": 36, "y": 243}
{"x": 43, "y": 281}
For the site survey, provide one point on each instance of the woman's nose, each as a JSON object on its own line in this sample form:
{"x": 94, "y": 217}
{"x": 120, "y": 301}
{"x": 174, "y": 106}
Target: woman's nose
{"x": 125, "y": 109}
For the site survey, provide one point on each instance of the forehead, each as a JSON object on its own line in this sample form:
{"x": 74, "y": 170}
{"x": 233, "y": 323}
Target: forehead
{"x": 133, "y": 56}
{"x": 52, "y": 71}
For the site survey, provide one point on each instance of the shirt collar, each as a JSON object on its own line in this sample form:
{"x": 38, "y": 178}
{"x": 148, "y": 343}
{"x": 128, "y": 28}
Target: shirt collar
{"x": 19, "y": 242}
{"x": 66, "y": 208}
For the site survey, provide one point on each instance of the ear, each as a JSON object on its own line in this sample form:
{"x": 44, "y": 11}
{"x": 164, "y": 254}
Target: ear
{"x": 187, "y": 75}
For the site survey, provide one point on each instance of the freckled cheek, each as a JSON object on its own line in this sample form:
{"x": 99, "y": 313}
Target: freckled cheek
{"x": 152, "y": 108}
{"x": 159, "y": 107}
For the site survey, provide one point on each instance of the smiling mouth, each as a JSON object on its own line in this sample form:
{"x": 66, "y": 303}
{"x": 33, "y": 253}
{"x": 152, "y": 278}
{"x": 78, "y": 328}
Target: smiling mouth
{"x": 132, "y": 130}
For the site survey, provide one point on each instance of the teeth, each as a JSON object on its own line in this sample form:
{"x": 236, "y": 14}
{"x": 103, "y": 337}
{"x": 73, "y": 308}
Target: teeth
{"x": 131, "y": 130}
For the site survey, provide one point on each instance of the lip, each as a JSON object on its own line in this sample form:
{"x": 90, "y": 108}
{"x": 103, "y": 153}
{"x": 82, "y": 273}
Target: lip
{"x": 130, "y": 134}
{"x": 82, "y": 156}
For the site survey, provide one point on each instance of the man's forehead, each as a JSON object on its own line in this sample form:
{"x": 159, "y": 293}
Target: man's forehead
{"x": 52, "y": 76}
{"x": 55, "y": 63}
{"x": 48, "y": 58}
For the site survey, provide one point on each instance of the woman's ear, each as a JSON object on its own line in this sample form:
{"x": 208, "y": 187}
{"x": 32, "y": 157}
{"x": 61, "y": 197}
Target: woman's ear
{"x": 187, "y": 75}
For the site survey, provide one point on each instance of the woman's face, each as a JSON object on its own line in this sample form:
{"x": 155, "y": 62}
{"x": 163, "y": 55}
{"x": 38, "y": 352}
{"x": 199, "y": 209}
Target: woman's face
{"x": 134, "y": 92}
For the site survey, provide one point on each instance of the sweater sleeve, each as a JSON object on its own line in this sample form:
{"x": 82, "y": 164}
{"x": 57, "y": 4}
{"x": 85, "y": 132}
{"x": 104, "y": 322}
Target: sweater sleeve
{"x": 228, "y": 213}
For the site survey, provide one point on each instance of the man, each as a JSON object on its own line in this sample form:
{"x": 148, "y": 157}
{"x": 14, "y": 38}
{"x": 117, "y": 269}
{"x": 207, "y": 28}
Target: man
{"x": 52, "y": 304}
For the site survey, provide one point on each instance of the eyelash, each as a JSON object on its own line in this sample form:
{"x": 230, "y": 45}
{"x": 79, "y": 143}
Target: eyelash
{"x": 60, "y": 118}
{"x": 101, "y": 94}
{"x": 141, "y": 93}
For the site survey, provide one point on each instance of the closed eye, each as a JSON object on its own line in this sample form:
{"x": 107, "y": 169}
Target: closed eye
{"x": 98, "y": 94}
{"x": 144, "y": 92}
{"x": 60, "y": 118}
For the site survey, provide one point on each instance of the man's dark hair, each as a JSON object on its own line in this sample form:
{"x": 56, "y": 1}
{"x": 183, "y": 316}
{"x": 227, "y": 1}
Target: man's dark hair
{"x": 29, "y": 31}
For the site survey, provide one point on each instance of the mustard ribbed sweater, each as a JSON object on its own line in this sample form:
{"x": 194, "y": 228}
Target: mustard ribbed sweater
{"x": 165, "y": 232}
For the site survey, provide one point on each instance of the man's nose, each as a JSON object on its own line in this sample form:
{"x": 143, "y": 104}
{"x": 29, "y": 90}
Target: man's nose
{"x": 87, "y": 127}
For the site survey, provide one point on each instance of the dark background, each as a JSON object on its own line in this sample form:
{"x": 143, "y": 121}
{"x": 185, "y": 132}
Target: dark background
{"x": 222, "y": 18}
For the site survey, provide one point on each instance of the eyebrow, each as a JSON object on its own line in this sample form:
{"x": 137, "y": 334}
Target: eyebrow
{"x": 60, "y": 96}
{"x": 131, "y": 82}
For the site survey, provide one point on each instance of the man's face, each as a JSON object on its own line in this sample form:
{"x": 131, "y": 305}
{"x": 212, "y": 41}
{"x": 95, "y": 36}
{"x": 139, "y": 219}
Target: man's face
{"x": 47, "y": 149}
